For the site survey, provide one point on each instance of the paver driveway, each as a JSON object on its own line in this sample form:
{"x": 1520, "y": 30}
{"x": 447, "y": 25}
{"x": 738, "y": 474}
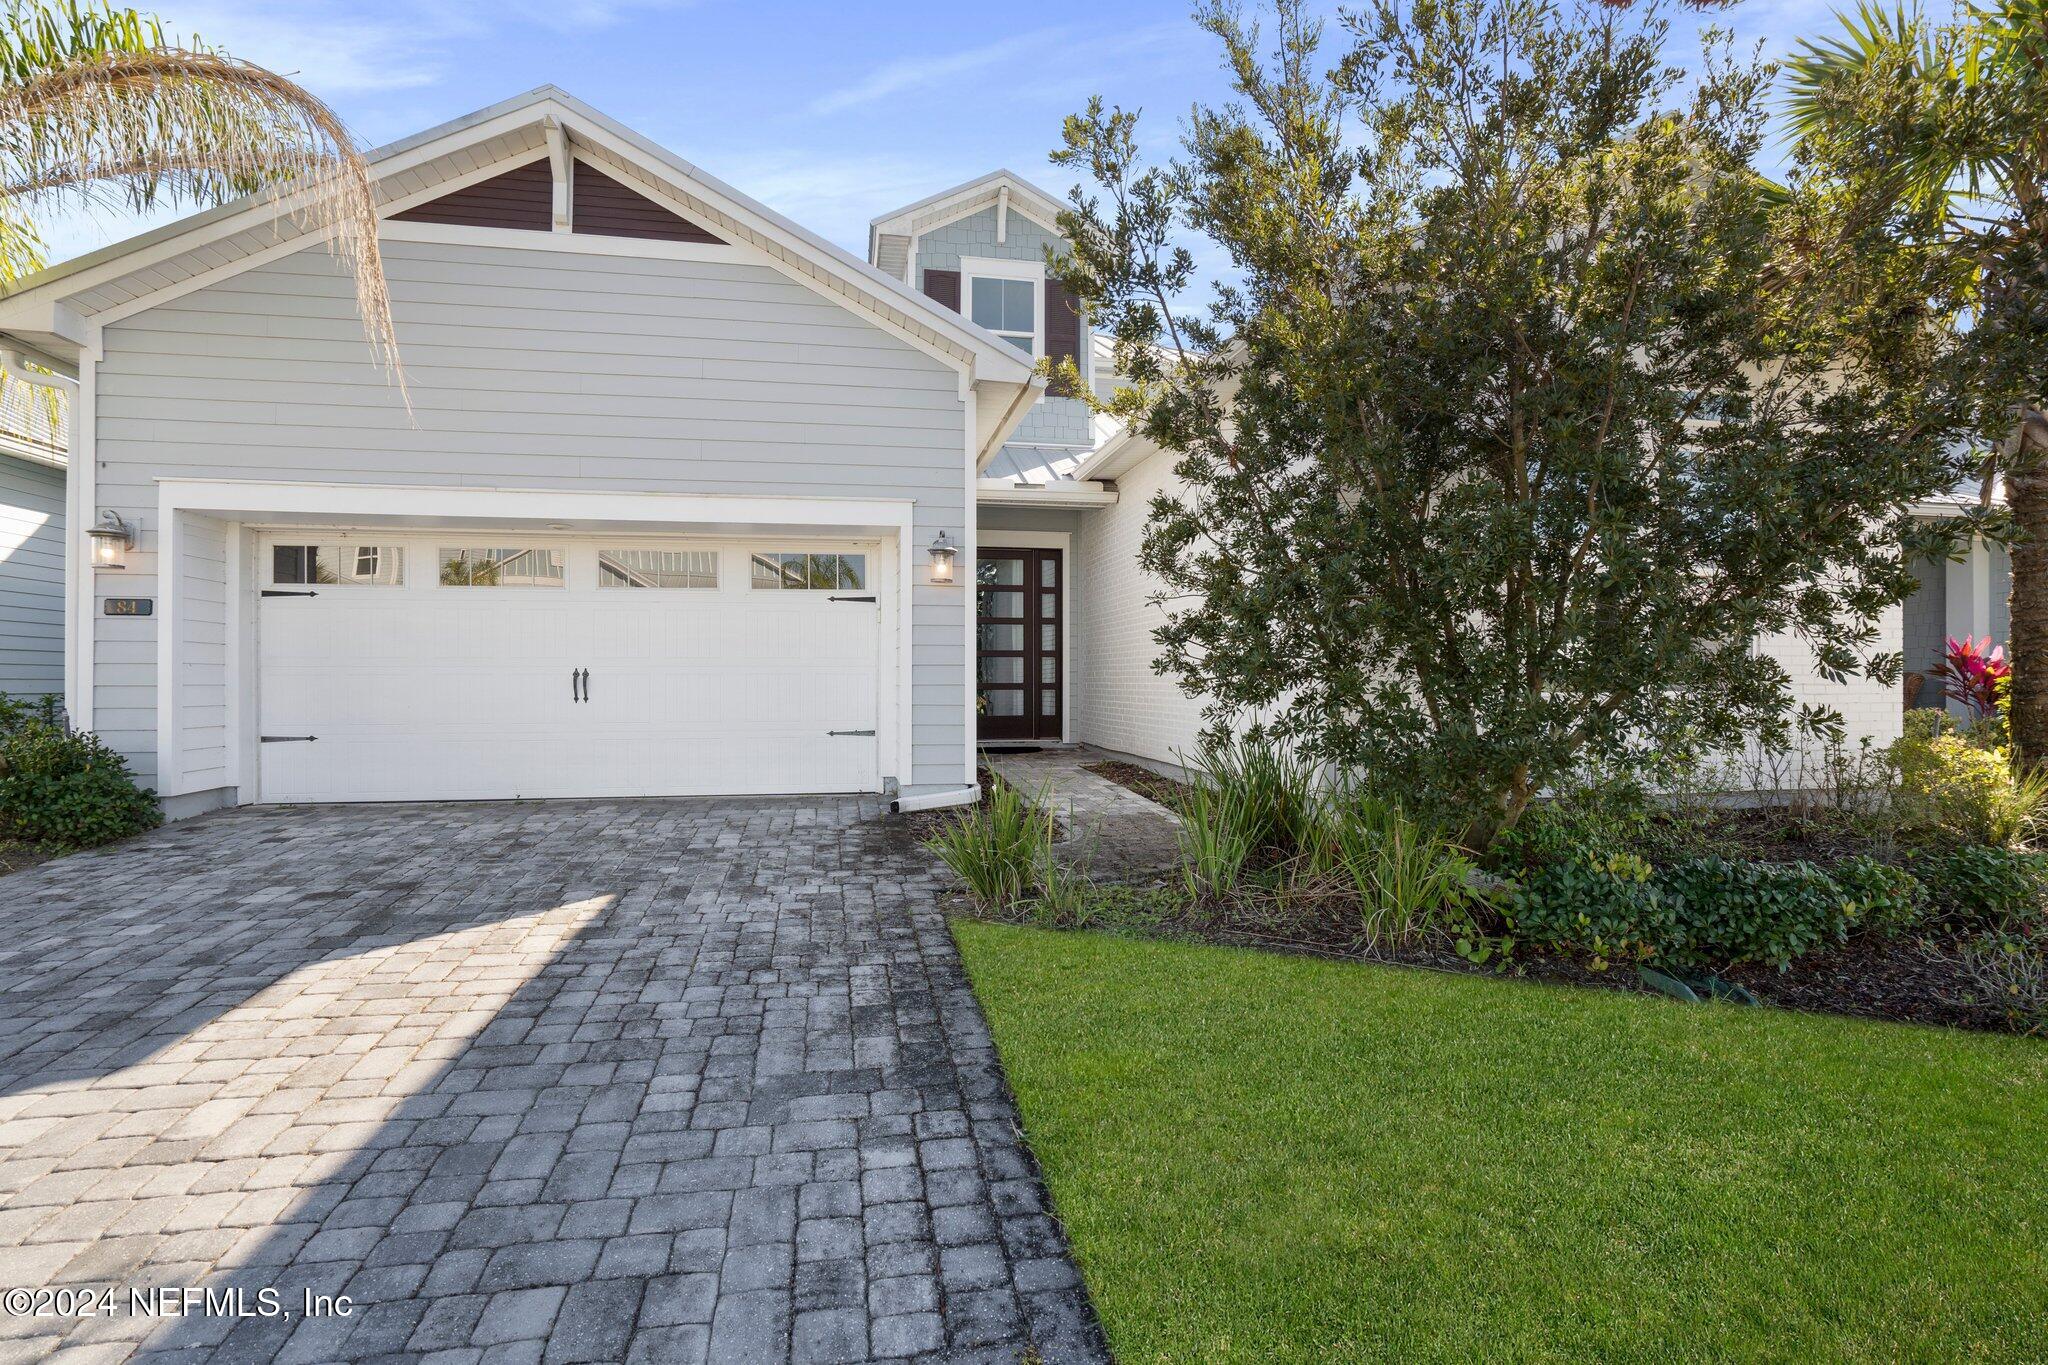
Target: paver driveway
{"x": 562, "y": 1081}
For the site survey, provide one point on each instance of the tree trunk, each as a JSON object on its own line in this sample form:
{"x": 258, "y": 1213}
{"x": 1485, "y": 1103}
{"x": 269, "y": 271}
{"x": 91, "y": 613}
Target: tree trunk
{"x": 2026, "y": 493}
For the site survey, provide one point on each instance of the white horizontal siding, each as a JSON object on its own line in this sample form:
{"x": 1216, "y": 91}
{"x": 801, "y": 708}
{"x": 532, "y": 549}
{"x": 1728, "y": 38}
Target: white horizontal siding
{"x": 528, "y": 369}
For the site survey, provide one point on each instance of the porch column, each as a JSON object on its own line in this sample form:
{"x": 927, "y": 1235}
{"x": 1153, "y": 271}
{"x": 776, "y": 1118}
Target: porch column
{"x": 1967, "y": 610}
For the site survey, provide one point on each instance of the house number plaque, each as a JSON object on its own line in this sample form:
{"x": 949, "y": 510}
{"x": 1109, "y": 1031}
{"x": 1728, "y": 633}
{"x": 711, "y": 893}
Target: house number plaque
{"x": 130, "y": 606}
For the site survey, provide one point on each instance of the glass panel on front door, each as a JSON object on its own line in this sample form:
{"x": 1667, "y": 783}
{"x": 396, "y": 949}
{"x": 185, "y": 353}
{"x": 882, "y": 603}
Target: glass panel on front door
{"x": 1018, "y": 674}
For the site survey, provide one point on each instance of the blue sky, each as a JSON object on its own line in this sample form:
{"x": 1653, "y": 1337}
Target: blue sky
{"x": 831, "y": 113}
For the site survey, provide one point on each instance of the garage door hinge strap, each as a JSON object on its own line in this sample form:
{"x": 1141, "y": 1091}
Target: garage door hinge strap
{"x": 289, "y": 739}
{"x": 849, "y": 599}
{"x": 849, "y": 732}
{"x": 280, "y": 592}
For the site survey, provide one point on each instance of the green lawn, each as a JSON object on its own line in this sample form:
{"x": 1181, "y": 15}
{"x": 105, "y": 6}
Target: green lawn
{"x": 1270, "y": 1158}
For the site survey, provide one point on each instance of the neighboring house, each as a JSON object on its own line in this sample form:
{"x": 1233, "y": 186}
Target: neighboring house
{"x": 1967, "y": 596}
{"x": 32, "y": 463}
{"x": 673, "y": 511}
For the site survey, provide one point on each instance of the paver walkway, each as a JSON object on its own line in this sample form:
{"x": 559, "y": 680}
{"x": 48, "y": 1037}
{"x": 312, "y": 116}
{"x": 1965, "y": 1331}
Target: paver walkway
{"x": 1118, "y": 833}
{"x": 567, "y": 1081}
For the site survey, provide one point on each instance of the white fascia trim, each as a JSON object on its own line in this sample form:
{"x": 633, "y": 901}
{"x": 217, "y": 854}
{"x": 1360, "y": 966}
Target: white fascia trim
{"x": 981, "y": 205}
{"x": 594, "y": 128}
{"x": 28, "y": 454}
{"x": 1120, "y": 454}
{"x": 976, "y": 194}
{"x": 239, "y": 500}
{"x": 963, "y": 580}
{"x": 81, "y": 633}
{"x": 863, "y": 285}
{"x": 576, "y": 243}
{"x": 990, "y": 494}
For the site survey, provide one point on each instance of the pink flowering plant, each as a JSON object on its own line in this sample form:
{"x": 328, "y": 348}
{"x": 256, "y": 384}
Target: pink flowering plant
{"x": 1974, "y": 672}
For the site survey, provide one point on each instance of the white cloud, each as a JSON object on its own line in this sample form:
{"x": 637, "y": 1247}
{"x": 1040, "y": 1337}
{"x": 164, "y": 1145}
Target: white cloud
{"x": 918, "y": 73}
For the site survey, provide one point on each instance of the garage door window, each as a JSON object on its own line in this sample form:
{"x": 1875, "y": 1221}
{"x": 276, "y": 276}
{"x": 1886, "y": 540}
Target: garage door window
{"x": 797, "y": 570}
{"x": 504, "y": 567}
{"x": 622, "y": 568}
{"x": 341, "y": 565}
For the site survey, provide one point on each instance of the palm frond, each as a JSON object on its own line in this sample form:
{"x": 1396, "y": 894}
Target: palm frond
{"x": 97, "y": 103}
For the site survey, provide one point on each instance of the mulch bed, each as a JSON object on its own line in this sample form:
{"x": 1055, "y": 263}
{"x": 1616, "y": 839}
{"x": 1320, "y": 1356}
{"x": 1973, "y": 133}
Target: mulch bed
{"x": 1908, "y": 979}
{"x": 16, "y": 857}
{"x": 1146, "y": 783}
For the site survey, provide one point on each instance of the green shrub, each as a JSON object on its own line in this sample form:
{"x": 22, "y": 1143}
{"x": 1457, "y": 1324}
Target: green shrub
{"x": 65, "y": 789}
{"x": 1407, "y": 876}
{"x": 2008, "y": 972}
{"x": 1595, "y": 821}
{"x": 1996, "y": 887}
{"x": 1888, "y": 899}
{"x": 1700, "y": 913}
{"x": 1951, "y": 787}
{"x": 1607, "y": 909}
{"x": 998, "y": 847}
{"x": 1729, "y": 912}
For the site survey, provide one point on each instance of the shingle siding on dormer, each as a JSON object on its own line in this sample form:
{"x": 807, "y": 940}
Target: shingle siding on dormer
{"x": 1052, "y": 421}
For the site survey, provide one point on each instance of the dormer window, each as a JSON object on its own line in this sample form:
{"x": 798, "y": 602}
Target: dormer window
{"x": 1005, "y": 297}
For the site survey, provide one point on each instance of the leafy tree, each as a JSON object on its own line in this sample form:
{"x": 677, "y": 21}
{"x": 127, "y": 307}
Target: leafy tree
{"x": 1940, "y": 131}
{"x": 101, "y": 106}
{"x": 1529, "y": 406}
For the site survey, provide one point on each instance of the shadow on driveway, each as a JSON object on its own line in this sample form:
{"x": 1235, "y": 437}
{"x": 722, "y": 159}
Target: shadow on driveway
{"x": 561, "y": 1081}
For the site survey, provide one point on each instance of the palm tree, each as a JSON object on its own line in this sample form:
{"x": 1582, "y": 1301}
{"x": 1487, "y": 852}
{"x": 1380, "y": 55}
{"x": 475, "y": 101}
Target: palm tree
{"x": 1944, "y": 130}
{"x": 102, "y": 107}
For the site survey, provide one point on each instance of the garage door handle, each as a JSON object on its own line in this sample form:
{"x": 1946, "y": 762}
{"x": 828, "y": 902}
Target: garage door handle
{"x": 849, "y": 599}
{"x": 586, "y": 684}
{"x": 289, "y": 739}
{"x": 849, "y": 732}
{"x": 281, "y": 592}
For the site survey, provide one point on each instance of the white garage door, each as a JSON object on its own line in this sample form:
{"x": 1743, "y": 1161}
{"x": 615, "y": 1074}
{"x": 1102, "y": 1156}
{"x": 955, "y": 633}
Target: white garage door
{"x": 454, "y": 667}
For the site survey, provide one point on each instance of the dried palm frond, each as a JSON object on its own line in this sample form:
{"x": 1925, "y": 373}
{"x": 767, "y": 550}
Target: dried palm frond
{"x": 100, "y": 105}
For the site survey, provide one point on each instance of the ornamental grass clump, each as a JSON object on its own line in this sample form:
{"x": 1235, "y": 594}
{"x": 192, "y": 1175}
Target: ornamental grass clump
{"x": 1408, "y": 878}
{"x": 998, "y": 847}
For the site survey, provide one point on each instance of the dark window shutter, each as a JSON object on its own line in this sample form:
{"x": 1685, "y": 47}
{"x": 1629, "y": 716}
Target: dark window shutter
{"x": 1062, "y": 324}
{"x": 943, "y": 286}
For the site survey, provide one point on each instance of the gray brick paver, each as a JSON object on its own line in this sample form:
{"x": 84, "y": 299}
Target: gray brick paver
{"x": 531, "y": 1082}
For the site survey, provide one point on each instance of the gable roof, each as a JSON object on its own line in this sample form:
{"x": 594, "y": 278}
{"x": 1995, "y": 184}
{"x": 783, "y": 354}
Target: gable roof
{"x": 57, "y": 310}
{"x": 892, "y": 232}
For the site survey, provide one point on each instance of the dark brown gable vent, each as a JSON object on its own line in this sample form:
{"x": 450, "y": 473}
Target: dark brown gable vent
{"x": 522, "y": 199}
{"x": 605, "y": 208}
{"x": 1062, "y": 327}
{"x": 943, "y": 286}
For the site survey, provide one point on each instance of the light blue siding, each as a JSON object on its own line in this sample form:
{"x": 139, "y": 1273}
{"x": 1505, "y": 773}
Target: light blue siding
{"x": 31, "y": 577}
{"x": 528, "y": 369}
{"x": 1052, "y": 421}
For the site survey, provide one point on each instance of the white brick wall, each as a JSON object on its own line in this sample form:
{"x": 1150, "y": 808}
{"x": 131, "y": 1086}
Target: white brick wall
{"x": 1122, "y": 704}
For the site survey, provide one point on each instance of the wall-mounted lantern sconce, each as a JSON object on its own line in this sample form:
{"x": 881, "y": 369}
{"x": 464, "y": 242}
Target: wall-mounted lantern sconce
{"x": 943, "y": 551}
{"x": 111, "y": 541}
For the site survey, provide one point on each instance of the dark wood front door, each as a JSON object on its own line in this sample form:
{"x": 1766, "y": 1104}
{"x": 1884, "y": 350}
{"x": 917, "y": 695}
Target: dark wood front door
{"x": 1020, "y": 606}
